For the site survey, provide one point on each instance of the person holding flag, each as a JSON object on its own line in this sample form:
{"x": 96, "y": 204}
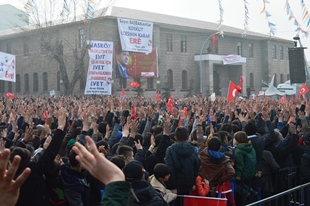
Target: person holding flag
{"x": 233, "y": 90}
{"x": 303, "y": 90}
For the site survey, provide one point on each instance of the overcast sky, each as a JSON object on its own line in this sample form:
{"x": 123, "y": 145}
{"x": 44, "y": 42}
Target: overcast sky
{"x": 208, "y": 10}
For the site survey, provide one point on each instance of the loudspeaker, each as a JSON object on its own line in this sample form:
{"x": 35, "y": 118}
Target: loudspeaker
{"x": 297, "y": 65}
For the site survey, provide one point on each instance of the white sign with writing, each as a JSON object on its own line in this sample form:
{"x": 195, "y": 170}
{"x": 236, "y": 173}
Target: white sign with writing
{"x": 99, "y": 75}
{"x": 7, "y": 67}
{"x": 135, "y": 35}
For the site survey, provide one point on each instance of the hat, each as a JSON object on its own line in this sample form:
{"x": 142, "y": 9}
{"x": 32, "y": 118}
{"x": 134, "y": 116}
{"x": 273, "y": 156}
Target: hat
{"x": 71, "y": 143}
{"x": 24, "y": 154}
{"x": 307, "y": 138}
{"x": 133, "y": 170}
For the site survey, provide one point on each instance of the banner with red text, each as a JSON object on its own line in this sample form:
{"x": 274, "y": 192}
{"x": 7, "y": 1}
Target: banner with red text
{"x": 135, "y": 65}
{"x": 99, "y": 75}
{"x": 7, "y": 67}
{"x": 135, "y": 35}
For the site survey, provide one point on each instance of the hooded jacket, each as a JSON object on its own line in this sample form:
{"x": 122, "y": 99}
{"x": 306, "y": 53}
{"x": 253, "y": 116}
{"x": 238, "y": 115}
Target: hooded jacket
{"x": 146, "y": 195}
{"x": 75, "y": 186}
{"x": 215, "y": 166}
{"x": 183, "y": 162}
{"x": 245, "y": 161}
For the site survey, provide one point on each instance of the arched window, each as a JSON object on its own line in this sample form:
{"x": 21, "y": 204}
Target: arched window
{"x": 35, "y": 82}
{"x": 1, "y": 85}
{"x": 170, "y": 78}
{"x": 26, "y": 82}
{"x": 150, "y": 83}
{"x": 45, "y": 81}
{"x": 281, "y": 78}
{"x": 275, "y": 80}
{"x": 123, "y": 82}
{"x": 17, "y": 89}
{"x": 9, "y": 86}
{"x": 58, "y": 81}
{"x": 288, "y": 77}
{"x": 184, "y": 79}
{"x": 251, "y": 81}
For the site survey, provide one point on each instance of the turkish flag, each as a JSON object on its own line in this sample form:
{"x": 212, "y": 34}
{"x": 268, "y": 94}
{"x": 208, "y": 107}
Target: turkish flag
{"x": 303, "y": 90}
{"x": 185, "y": 111}
{"x": 283, "y": 99}
{"x": 170, "y": 104}
{"x": 158, "y": 96}
{"x": 123, "y": 91}
{"x": 241, "y": 82}
{"x": 256, "y": 96}
{"x": 232, "y": 91}
{"x": 9, "y": 95}
{"x": 133, "y": 113}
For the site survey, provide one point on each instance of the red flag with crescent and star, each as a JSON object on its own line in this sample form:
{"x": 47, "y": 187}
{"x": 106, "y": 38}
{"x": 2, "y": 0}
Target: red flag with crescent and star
{"x": 303, "y": 90}
{"x": 233, "y": 90}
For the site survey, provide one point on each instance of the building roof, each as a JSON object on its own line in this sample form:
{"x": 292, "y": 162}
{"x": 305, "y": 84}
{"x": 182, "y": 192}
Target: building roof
{"x": 169, "y": 21}
{"x": 165, "y": 21}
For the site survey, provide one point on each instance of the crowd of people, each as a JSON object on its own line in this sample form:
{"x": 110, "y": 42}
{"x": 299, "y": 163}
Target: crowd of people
{"x": 108, "y": 150}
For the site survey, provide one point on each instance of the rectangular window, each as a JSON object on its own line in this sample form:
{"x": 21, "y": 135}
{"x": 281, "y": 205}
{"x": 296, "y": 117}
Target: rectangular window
{"x": 281, "y": 52}
{"x": 251, "y": 50}
{"x": 239, "y": 48}
{"x": 286, "y": 53}
{"x": 150, "y": 83}
{"x": 183, "y": 44}
{"x": 169, "y": 42}
{"x": 82, "y": 38}
{"x": 26, "y": 49}
{"x": 274, "y": 51}
{"x": 8, "y": 47}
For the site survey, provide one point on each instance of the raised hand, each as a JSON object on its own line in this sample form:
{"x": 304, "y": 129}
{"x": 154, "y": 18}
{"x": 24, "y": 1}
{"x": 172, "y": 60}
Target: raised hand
{"x": 9, "y": 188}
{"x": 62, "y": 117}
{"x": 97, "y": 164}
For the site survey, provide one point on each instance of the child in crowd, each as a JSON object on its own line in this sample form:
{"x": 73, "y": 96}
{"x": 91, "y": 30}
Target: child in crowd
{"x": 158, "y": 179}
{"x": 201, "y": 187}
{"x": 245, "y": 165}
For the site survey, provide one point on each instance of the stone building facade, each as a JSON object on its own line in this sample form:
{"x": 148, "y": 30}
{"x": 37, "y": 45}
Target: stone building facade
{"x": 179, "y": 42}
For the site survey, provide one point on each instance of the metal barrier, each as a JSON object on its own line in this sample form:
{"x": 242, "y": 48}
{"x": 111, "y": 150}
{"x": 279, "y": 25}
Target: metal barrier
{"x": 299, "y": 195}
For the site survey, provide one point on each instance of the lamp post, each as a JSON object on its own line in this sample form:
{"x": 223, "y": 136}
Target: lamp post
{"x": 200, "y": 67}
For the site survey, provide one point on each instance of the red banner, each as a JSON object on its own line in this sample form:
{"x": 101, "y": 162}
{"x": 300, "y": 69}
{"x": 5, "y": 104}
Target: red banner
{"x": 199, "y": 201}
{"x": 134, "y": 64}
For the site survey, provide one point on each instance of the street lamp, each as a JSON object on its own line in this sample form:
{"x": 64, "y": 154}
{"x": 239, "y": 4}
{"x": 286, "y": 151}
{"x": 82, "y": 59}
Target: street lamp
{"x": 200, "y": 67}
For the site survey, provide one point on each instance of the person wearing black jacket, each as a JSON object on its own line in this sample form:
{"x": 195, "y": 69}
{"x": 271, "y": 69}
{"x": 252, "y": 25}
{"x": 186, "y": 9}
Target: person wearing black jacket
{"x": 32, "y": 192}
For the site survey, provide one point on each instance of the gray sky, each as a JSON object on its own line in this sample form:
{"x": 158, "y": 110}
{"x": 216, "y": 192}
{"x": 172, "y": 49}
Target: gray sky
{"x": 208, "y": 10}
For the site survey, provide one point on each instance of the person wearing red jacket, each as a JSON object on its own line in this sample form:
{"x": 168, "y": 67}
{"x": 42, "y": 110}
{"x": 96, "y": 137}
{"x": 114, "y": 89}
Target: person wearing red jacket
{"x": 202, "y": 187}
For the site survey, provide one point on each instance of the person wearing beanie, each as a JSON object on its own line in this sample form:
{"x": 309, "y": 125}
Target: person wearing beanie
{"x": 144, "y": 193}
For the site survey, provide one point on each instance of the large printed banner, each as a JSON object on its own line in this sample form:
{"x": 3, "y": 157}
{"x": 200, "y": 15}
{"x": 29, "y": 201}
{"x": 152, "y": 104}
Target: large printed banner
{"x": 135, "y": 35}
{"x": 232, "y": 58}
{"x": 99, "y": 75}
{"x": 135, "y": 65}
{"x": 7, "y": 67}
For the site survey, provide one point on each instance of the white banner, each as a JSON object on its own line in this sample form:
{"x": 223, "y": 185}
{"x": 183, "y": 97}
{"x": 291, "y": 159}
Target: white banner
{"x": 232, "y": 58}
{"x": 99, "y": 75}
{"x": 135, "y": 35}
{"x": 7, "y": 67}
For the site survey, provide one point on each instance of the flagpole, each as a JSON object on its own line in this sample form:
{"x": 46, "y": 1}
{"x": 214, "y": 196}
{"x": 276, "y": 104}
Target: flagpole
{"x": 200, "y": 67}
